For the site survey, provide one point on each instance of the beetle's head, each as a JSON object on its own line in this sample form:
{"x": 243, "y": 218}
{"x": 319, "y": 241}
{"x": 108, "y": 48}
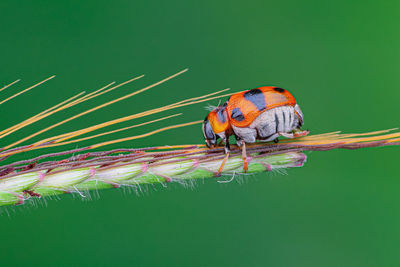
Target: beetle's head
{"x": 209, "y": 134}
{"x": 216, "y": 125}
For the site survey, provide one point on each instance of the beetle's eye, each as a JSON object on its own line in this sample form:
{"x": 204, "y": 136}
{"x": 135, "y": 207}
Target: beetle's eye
{"x": 208, "y": 131}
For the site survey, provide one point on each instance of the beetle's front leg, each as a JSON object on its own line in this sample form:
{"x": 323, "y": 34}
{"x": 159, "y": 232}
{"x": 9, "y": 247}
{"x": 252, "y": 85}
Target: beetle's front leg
{"x": 227, "y": 151}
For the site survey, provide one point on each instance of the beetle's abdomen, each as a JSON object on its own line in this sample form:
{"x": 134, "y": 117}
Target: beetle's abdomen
{"x": 277, "y": 120}
{"x": 282, "y": 119}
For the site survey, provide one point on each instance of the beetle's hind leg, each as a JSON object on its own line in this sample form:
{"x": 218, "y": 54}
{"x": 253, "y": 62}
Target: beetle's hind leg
{"x": 287, "y": 135}
{"x": 244, "y": 157}
{"x": 242, "y": 144}
{"x": 290, "y": 135}
{"x": 295, "y": 133}
{"x": 300, "y": 133}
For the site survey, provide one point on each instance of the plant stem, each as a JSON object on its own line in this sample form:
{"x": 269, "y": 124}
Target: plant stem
{"x": 20, "y": 187}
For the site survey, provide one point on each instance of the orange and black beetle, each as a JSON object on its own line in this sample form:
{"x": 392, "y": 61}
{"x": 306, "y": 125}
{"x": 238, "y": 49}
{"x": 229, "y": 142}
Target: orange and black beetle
{"x": 264, "y": 113}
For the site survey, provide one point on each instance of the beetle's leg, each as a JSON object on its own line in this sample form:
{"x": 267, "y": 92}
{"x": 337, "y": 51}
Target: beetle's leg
{"x": 244, "y": 156}
{"x": 287, "y": 135}
{"x": 227, "y": 150}
{"x": 273, "y": 137}
{"x": 301, "y": 133}
{"x": 294, "y": 134}
{"x": 220, "y": 142}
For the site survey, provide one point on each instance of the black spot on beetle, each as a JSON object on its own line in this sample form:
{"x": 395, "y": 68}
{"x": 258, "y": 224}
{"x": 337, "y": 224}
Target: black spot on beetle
{"x": 257, "y": 98}
{"x": 280, "y": 90}
{"x": 237, "y": 114}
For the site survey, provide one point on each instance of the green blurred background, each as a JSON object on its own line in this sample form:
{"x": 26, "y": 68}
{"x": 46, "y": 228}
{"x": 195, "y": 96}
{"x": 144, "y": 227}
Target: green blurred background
{"x": 339, "y": 58}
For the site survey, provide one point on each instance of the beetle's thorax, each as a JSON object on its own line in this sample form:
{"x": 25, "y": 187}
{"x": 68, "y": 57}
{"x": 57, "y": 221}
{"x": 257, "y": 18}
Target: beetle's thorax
{"x": 219, "y": 120}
